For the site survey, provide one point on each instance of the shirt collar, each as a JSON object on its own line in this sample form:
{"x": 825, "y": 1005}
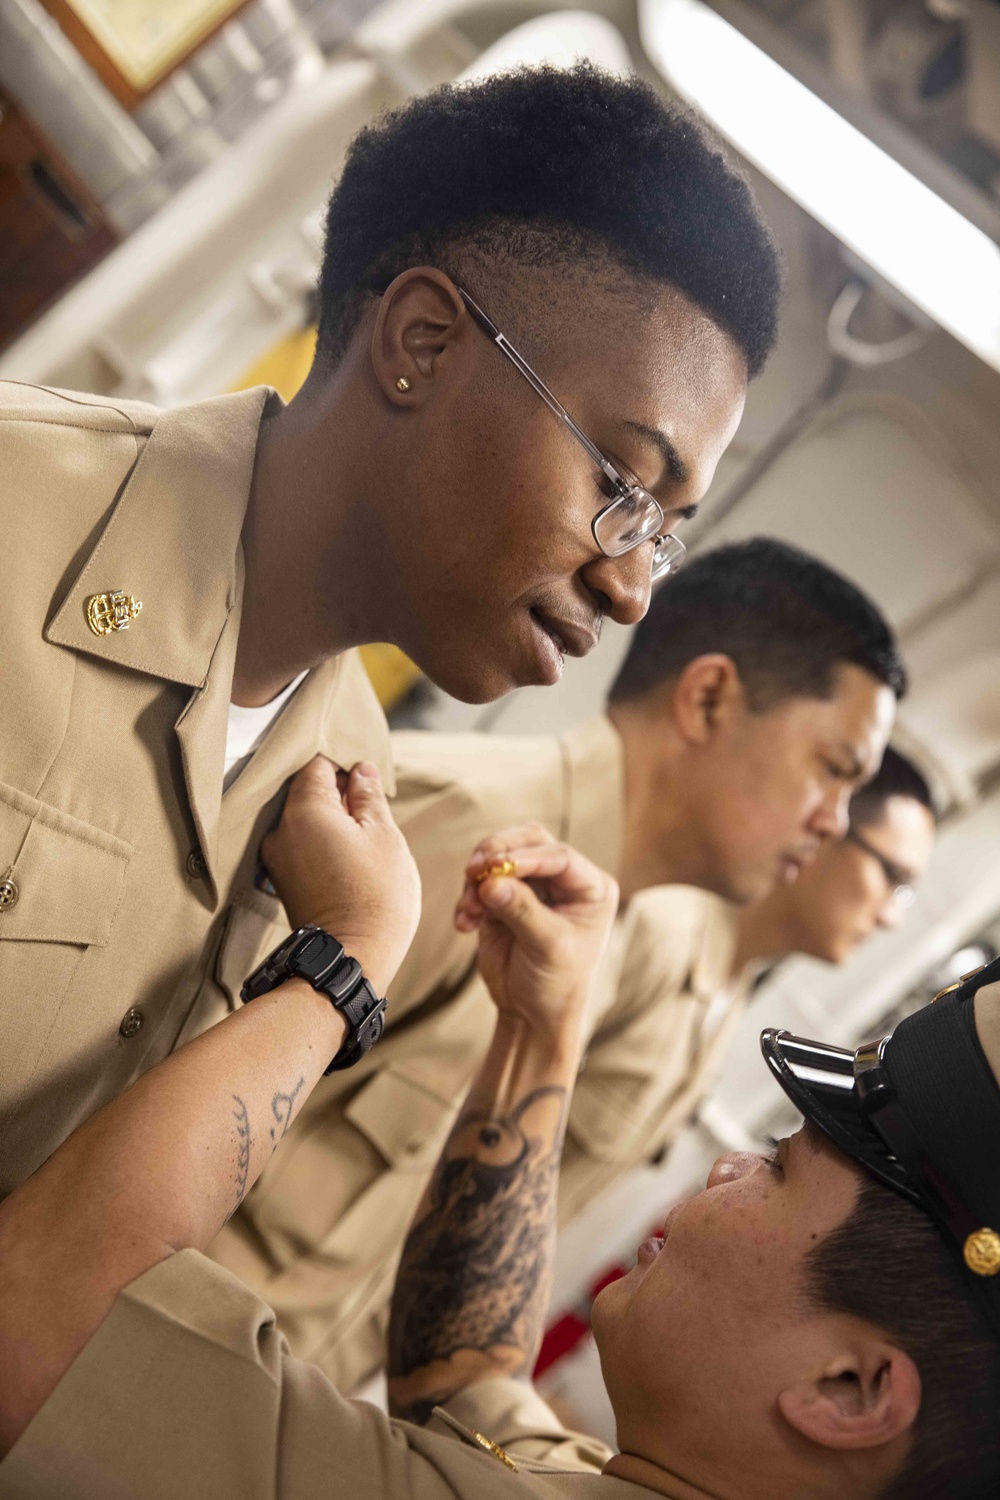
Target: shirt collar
{"x": 171, "y": 542}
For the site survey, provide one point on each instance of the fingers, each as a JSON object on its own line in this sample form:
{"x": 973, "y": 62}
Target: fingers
{"x": 494, "y": 848}
{"x": 365, "y": 797}
{"x": 515, "y": 906}
{"x": 562, "y": 877}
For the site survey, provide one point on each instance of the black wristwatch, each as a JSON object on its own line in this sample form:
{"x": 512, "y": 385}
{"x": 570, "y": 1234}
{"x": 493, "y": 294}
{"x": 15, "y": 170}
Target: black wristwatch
{"x": 312, "y": 954}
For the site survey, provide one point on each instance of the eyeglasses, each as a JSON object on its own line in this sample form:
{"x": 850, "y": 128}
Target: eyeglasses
{"x": 632, "y": 515}
{"x": 900, "y": 889}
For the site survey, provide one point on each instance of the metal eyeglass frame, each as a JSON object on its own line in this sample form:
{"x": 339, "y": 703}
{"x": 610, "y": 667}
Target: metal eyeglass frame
{"x": 900, "y": 891}
{"x": 668, "y": 550}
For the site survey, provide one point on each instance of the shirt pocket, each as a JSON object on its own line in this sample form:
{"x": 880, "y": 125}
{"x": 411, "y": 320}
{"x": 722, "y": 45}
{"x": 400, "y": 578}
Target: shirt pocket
{"x": 63, "y": 880}
{"x": 346, "y": 1188}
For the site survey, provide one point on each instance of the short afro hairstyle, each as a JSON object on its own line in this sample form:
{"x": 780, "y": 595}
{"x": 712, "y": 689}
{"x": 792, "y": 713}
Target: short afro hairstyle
{"x": 784, "y": 617}
{"x": 896, "y": 777}
{"x": 593, "y": 165}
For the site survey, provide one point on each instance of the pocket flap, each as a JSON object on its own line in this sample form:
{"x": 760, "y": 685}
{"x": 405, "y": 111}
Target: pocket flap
{"x": 405, "y": 1121}
{"x": 69, "y": 876}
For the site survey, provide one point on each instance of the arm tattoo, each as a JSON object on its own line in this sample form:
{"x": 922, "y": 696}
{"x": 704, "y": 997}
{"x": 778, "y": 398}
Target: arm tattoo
{"x": 243, "y": 1145}
{"x": 281, "y": 1109}
{"x": 475, "y": 1269}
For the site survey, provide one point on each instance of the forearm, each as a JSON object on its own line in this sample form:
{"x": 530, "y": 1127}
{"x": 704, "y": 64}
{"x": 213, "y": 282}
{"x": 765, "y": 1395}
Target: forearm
{"x": 158, "y": 1169}
{"x": 473, "y": 1285}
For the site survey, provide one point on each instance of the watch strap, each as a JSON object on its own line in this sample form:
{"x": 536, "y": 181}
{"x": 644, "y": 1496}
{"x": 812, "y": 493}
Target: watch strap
{"x": 312, "y": 954}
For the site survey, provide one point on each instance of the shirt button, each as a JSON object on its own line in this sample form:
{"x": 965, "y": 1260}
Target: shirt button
{"x": 8, "y": 894}
{"x": 131, "y": 1022}
{"x": 195, "y": 865}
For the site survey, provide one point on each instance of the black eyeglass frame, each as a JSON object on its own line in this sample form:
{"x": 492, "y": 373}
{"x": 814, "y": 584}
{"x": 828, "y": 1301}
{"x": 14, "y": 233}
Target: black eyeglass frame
{"x": 668, "y": 550}
{"x": 900, "y": 891}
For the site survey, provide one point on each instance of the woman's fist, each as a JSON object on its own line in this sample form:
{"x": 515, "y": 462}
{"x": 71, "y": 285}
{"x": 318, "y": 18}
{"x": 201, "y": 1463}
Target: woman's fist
{"x": 338, "y": 861}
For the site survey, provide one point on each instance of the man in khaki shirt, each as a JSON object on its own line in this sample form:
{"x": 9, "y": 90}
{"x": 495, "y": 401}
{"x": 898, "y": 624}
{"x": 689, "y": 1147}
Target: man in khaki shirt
{"x": 735, "y": 735}
{"x": 803, "y": 1328}
{"x": 161, "y": 566}
{"x": 863, "y": 884}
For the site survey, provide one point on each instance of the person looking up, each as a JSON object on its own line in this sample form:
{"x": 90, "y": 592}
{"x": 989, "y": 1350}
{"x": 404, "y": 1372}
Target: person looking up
{"x": 856, "y": 886}
{"x": 756, "y": 696}
{"x": 181, "y": 589}
{"x": 821, "y": 1323}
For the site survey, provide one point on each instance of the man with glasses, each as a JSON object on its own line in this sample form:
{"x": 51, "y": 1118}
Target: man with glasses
{"x": 756, "y": 696}
{"x": 182, "y": 589}
{"x": 856, "y": 886}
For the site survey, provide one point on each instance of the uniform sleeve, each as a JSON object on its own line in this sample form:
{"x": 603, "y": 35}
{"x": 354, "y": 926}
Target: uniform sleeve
{"x": 188, "y": 1390}
{"x": 513, "y": 1415}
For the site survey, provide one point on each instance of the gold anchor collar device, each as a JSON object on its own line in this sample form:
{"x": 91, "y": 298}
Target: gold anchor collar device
{"x": 111, "y": 612}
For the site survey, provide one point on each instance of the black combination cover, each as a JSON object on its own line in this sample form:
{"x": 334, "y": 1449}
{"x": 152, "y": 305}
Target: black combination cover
{"x": 313, "y": 955}
{"x": 920, "y": 1110}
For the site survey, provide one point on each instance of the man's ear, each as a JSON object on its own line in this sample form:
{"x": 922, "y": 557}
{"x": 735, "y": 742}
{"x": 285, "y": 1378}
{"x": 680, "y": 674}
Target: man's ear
{"x": 707, "y": 695}
{"x": 864, "y": 1399}
{"x": 419, "y": 319}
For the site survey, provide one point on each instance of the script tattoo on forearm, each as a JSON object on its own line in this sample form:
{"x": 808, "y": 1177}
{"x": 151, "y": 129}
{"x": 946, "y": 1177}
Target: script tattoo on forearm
{"x": 281, "y": 1108}
{"x": 244, "y": 1142}
{"x": 475, "y": 1269}
{"x": 282, "y": 1105}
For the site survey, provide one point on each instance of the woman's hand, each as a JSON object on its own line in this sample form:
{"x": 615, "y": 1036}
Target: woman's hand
{"x": 338, "y": 861}
{"x": 542, "y": 932}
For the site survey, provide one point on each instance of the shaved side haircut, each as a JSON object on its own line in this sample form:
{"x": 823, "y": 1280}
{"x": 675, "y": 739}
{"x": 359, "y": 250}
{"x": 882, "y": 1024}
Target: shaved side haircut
{"x": 785, "y": 618}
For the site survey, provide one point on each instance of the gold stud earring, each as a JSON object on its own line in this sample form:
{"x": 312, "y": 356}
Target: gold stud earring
{"x": 403, "y": 384}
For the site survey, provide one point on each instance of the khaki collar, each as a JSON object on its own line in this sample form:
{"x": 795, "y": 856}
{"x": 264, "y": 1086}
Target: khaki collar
{"x": 594, "y": 768}
{"x": 172, "y": 542}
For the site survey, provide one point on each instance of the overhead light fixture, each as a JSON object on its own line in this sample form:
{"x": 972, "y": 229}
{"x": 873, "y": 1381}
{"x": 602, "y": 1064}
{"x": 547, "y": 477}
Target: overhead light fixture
{"x": 909, "y": 236}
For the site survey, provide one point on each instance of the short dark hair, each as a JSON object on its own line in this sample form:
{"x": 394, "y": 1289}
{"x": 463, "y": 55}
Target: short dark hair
{"x": 888, "y": 1265}
{"x": 896, "y": 777}
{"x": 591, "y": 163}
{"x": 786, "y": 619}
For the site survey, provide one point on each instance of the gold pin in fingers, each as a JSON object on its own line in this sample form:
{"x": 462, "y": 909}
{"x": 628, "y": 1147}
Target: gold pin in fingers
{"x": 498, "y": 869}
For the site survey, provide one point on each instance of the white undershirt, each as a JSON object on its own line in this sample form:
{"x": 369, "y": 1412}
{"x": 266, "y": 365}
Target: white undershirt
{"x": 247, "y": 727}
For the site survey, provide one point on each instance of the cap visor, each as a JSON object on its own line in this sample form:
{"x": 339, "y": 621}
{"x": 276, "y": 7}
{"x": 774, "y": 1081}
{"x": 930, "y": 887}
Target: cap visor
{"x": 819, "y": 1080}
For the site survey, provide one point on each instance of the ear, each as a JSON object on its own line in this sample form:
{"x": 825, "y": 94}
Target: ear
{"x": 419, "y": 320}
{"x": 707, "y": 695}
{"x": 864, "y": 1399}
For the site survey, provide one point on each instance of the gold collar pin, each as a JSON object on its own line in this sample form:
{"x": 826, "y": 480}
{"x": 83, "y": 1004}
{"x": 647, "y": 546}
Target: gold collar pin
{"x": 112, "y": 611}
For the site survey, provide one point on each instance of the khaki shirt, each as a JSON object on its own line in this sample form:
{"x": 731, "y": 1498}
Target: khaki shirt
{"x": 187, "y": 1389}
{"x": 131, "y": 918}
{"x": 319, "y": 1237}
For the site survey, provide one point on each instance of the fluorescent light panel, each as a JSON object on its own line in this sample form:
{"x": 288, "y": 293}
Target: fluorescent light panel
{"x": 937, "y": 259}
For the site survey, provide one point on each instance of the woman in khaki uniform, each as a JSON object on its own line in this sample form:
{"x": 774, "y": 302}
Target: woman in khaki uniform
{"x": 164, "y": 571}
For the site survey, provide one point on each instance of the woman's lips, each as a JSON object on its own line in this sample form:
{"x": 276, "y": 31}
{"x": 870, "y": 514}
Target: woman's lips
{"x": 649, "y": 1250}
{"x": 551, "y": 651}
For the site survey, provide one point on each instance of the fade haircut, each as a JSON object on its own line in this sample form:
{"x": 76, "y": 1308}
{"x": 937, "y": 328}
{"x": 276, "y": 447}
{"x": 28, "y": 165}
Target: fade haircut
{"x": 896, "y": 777}
{"x": 549, "y": 167}
{"x": 786, "y": 619}
{"x": 888, "y": 1265}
